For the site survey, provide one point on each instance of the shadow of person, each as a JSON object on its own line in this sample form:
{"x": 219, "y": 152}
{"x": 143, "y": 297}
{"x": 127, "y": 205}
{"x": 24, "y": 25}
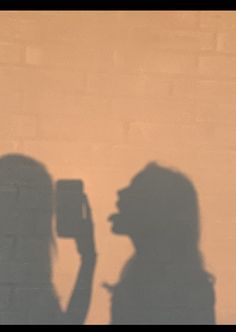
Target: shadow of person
{"x": 165, "y": 281}
{"x": 26, "y": 249}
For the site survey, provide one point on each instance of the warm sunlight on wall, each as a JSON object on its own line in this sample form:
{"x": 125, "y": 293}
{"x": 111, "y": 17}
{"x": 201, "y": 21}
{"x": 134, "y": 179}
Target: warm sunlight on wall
{"x": 97, "y": 95}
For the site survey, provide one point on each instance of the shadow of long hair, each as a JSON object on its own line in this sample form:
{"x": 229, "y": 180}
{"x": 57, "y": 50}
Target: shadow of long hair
{"x": 26, "y": 203}
{"x": 165, "y": 282}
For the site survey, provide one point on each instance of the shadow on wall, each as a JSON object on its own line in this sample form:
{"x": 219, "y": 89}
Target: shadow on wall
{"x": 26, "y": 244}
{"x": 165, "y": 281}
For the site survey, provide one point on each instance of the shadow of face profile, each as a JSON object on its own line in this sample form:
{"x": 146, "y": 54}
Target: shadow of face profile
{"x": 158, "y": 202}
{"x": 165, "y": 281}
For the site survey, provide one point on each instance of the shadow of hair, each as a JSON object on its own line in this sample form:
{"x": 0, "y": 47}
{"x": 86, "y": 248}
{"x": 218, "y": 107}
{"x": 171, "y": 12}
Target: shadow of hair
{"x": 165, "y": 281}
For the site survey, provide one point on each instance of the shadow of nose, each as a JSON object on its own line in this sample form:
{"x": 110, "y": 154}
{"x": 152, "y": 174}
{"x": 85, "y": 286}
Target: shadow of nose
{"x": 122, "y": 191}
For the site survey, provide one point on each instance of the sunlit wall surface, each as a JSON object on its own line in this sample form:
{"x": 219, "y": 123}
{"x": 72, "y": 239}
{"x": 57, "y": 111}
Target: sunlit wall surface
{"x": 96, "y": 96}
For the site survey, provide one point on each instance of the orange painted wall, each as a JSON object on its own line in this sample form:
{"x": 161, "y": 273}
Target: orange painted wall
{"x": 98, "y": 95}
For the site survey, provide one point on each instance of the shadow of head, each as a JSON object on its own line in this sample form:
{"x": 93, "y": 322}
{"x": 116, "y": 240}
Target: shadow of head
{"x": 161, "y": 205}
{"x": 25, "y": 196}
{"x": 26, "y": 215}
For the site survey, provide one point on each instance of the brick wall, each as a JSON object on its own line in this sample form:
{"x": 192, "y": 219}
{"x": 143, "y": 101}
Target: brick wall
{"x": 97, "y": 95}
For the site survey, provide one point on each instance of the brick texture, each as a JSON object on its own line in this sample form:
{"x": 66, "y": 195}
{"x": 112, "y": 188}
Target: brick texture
{"x": 98, "y": 95}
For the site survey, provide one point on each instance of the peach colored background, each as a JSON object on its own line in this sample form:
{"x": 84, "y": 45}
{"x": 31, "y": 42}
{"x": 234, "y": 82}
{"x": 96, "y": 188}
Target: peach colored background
{"x": 97, "y": 95}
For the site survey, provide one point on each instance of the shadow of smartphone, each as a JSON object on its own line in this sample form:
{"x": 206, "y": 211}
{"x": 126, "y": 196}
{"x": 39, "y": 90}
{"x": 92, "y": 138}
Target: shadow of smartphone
{"x": 70, "y": 199}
